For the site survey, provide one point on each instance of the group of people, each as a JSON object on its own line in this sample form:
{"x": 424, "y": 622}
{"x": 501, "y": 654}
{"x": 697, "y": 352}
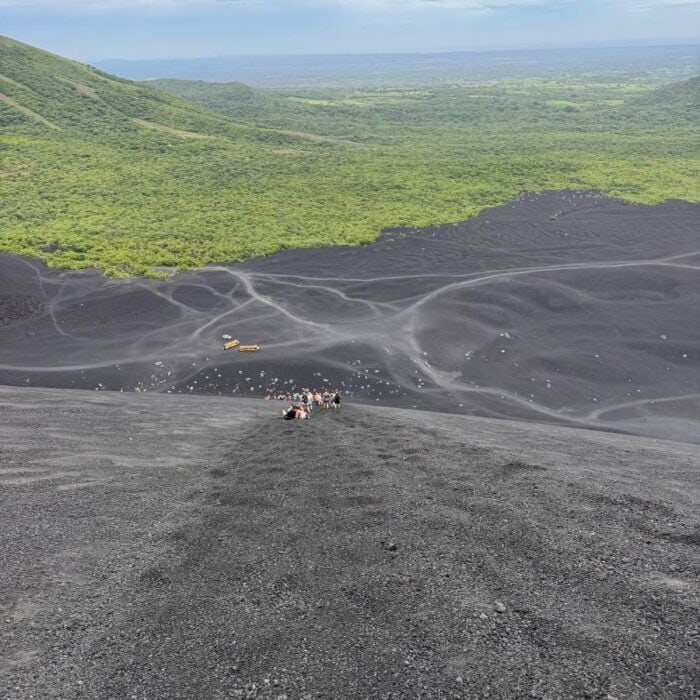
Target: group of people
{"x": 303, "y": 403}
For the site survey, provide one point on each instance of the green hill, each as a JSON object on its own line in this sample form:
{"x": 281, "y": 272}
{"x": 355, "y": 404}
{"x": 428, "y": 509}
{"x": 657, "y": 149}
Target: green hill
{"x": 130, "y": 177}
{"x": 683, "y": 96}
{"x": 39, "y": 90}
{"x": 676, "y": 104}
{"x": 242, "y": 101}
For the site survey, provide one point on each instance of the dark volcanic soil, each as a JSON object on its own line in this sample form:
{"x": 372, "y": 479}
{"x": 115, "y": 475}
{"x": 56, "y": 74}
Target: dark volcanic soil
{"x": 191, "y": 547}
{"x": 562, "y": 308}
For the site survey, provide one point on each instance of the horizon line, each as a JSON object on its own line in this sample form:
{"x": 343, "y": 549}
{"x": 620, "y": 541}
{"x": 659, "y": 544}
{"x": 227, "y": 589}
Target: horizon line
{"x": 656, "y": 42}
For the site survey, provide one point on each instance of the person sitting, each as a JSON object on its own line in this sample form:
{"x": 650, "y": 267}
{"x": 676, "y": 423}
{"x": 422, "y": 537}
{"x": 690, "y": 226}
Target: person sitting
{"x": 295, "y": 412}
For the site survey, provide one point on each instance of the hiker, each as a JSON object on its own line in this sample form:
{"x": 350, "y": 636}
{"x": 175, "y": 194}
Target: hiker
{"x": 336, "y": 400}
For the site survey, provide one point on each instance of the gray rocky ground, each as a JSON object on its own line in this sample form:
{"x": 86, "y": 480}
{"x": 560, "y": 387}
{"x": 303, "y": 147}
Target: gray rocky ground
{"x": 197, "y": 547}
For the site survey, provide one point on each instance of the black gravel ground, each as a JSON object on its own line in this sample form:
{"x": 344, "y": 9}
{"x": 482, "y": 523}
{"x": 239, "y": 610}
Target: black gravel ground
{"x": 564, "y": 308}
{"x": 184, "y": 547}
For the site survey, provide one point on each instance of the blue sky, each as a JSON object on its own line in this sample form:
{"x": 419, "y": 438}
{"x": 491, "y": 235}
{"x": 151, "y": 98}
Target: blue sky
{"x": 92, "y": 30}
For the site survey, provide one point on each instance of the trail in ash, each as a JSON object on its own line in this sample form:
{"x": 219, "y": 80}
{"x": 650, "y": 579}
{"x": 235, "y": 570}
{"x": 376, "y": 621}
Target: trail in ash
{"x": 561, "y": 307}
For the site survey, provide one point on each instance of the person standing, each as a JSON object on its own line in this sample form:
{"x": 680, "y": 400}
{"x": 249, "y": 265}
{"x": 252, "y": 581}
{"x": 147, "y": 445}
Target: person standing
{"x": 336, "y": 400}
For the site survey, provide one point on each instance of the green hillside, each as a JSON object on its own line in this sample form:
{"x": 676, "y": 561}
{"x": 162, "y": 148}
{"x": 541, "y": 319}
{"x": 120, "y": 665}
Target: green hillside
{"x": 675, "y": 104}
{"x": 42, "y": 90}
{"x": 129, "y": 177}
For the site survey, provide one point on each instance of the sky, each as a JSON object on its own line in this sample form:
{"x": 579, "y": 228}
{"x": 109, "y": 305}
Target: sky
{"x": 93, "y": 30}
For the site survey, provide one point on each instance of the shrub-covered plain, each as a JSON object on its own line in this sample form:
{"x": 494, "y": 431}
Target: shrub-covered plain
{"x": 131, "y": 178}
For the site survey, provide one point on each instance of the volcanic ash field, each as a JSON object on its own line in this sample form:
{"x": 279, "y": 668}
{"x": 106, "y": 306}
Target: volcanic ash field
{"x": 201, "y": 547}
{"x": 565, "y": 308}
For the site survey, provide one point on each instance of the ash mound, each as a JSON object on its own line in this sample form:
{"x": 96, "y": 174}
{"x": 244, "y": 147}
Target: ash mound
{"x": 561, "y": 307}
{"x": 201, "y": 547}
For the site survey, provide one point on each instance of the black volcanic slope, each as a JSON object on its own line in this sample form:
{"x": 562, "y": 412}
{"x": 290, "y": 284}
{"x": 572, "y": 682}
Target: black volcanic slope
{"x": 566, "y": 308}
{"x": 202, "y": 548}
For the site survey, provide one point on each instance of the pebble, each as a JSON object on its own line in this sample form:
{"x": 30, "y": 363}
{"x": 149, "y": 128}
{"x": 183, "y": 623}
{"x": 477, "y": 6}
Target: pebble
{"x": 499, "y": 607}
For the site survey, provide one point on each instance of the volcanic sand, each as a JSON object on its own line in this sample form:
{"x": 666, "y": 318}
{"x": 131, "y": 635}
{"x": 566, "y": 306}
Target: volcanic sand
{"x": 201, "y": 547}
{"x": 561, "y": 307}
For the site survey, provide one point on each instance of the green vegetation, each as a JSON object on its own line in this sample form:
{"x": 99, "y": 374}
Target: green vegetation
{"x": 129, "y": 177}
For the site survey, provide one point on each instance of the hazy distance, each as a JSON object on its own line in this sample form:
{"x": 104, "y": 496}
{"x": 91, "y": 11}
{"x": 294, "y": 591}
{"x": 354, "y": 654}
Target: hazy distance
{"x": 95, "y": 30}
{"x": 655, "y": 62}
